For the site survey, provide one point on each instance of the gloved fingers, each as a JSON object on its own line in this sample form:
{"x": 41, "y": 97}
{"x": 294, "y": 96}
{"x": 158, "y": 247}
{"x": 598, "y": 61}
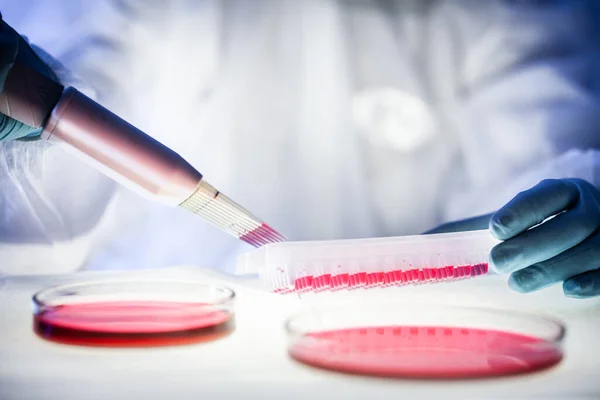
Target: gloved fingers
{"x": 533, "y": 206}
{"x": 583, "y": 285}
{"x": 471, "y": 224}
{"x": 546, "y": 240}
{"x": 554, "y": 236}
{"x": 11, "y": 129}
{"x": 578, "y": 260}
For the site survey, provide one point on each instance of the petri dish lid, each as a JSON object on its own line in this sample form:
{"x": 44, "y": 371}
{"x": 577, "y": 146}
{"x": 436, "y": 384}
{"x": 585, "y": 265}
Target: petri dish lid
{"x": 133, "y": 313}
{"x": 425, "y": 342}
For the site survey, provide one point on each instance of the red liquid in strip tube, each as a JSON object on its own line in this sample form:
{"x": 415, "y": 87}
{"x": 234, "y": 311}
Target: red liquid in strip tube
{"x": 383, "y": 278}
{"x": 133, "y": 324}
{"x": 425, "y": 352}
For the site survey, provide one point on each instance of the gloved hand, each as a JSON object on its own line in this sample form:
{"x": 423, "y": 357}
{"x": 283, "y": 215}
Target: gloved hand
{"x": 11, "y": 44}
{"x": 565, "y": 248}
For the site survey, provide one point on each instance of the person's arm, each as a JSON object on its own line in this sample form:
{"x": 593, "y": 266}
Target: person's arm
{"x": 53, "y": 208}
{"x": 526, "y": 94}
{"x": 528, "y": 105}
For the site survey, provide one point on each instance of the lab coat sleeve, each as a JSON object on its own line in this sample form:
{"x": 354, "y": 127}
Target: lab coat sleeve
{"x": 527, "y": 102}
{"x": 52, "y": 207}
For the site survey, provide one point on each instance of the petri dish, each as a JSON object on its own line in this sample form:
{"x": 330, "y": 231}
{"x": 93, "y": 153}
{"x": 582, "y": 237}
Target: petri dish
{"x": 425, "y": 342}
{"x": 134, "y": 313}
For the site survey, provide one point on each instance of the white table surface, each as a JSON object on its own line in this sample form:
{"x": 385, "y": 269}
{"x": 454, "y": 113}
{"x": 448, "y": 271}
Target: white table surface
{"x": 253, "y": 363}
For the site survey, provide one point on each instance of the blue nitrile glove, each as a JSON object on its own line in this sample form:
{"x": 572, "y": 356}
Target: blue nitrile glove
{"x": 11, "y": 44}
{"x": 565, "y": 248}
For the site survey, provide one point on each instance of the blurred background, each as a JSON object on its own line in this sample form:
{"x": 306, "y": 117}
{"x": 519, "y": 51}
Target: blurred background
{"x": 328, "y": 119}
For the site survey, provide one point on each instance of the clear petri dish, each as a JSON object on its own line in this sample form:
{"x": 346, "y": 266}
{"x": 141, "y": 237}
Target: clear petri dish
{"x": 425, "y": 342}
{"x": 134, "y": 313}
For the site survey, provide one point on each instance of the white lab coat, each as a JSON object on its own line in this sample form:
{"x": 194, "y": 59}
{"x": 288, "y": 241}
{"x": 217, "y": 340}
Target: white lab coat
{"x": 328, "y": 119}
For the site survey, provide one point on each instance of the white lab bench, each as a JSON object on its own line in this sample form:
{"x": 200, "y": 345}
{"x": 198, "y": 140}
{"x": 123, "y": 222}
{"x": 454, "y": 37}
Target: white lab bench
{"x": 252, "y": 363}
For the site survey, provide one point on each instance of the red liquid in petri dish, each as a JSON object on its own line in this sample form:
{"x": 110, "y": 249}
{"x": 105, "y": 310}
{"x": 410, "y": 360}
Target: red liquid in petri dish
{"x": 425, "y": 352}
{"x": 133, "y": 323}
